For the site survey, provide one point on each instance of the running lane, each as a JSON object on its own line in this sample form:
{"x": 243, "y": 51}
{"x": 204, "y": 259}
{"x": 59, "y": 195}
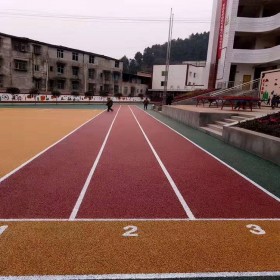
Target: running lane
{"x": 128, "y": 181}
{"x": 49, "y": 186}
{"x": 211, "y": 189}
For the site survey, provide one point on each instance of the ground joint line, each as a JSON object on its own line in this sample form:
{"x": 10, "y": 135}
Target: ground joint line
{"x": 85, "y": 187}
{"x": 172, "y": 183}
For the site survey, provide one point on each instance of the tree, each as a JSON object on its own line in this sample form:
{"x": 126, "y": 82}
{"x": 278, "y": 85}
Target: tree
{"x": 125, "y": 61}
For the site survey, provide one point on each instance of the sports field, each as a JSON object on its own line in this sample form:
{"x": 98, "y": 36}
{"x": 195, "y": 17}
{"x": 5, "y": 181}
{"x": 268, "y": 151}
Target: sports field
{"x": 90, "y": 194}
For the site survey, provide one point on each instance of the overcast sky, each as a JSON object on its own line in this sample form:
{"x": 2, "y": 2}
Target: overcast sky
{"x": 109, "y": 27}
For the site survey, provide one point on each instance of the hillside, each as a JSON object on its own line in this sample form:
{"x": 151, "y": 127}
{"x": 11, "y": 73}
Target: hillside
{"x": 192, "y": 48}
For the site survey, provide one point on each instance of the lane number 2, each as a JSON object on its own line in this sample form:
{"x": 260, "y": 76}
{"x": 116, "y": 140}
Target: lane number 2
{"x": 255, "y": 229}
{"x": 130, "y": 231}
{"x": 2, "y": 229}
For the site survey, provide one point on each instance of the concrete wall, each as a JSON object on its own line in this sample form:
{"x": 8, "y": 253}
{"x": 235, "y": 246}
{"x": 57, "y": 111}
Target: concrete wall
{"x": 264, "y": 146}
{"x": 192, "y": 118}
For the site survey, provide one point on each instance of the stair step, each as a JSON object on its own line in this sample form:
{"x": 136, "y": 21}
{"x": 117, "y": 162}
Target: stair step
{"x": 229, "y": 121}
{"x": 238, "y": 118}
{"x": 216, "y": 127}
{"x": 208, "y": 130}
{"x": 222, "y": 123}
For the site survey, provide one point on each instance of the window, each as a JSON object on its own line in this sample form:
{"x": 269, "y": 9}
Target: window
{"x": 117, "y": 64}
{"x": 20, "y": 65}
{"x": 125, "y": 90}
{"x": 60, "y": 68}
{"x": 36, "y": 67}
{"x": 91, "y": 87}
{"x": 59, "y": 53}
{"x": 194, "y": 75}
{"x": 60, "y": 84}
{"x": 36, "y": 49}
{"x": 1, "y": 81}
{"x": 37, "y": 83}
{"x": 75, "y": 85}
{"x": 91, "y": 59}
{"x": 51, "y": 68}
{"x": 163, "y": 73}
{"x": 91, "y": 73}
{"x": 190, "y": 73}
{"x": 116, "y": 89}
{"x": 75, "y": 56}
{"x": 20, "y": 46}
{"x": 75, "y": 71}
{"x": 162, "y": 83}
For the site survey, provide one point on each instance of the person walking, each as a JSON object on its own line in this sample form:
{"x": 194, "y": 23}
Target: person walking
{"x": 109, "y": 104}
{"x": 146, "y": 102}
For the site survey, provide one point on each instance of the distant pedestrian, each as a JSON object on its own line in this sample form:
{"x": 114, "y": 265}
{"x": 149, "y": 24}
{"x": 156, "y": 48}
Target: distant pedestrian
{"x": 169, "y": 99}
{"x": 109, "y": 104}
{"x": 146, "y": 102}
{"x": 273, "y": 101}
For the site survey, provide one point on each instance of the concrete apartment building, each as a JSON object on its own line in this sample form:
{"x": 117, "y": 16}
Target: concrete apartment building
{"x": 135, "y": 84}
{"x": 244, "y": 41}
{"x": 27, "y": 64}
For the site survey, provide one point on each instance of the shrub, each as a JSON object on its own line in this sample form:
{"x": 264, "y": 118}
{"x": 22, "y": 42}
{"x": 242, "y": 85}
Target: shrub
{"x": 56, "y": 93}
{"x": 13, "y": 90}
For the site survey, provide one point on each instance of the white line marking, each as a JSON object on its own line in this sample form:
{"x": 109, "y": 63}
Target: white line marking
{"x": 240, "y": 174}
{"x": 25, "y": 163}
{"x": 144, "y": 276}
{"x": 172, "y": 183}
{"x": 141, "y": 220}
{"x": 85, "y": 187}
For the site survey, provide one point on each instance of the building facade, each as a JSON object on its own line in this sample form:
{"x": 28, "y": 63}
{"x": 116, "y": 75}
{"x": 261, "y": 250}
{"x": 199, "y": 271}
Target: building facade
{"x": 185, "y": 77}
{"x": 244, "y": 41}
{"x": 134, "y": 85}
{"x": 28, "y": 64}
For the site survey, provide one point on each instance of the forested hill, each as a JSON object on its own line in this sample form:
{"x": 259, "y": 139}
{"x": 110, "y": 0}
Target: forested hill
{"x": 190, "y": 49}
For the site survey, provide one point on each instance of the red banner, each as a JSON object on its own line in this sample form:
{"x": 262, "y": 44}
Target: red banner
{"x": 222, "y": 28}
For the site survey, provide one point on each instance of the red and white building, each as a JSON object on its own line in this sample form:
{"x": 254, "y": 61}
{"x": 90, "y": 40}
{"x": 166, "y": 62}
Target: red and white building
{"x": 244, "y": 41}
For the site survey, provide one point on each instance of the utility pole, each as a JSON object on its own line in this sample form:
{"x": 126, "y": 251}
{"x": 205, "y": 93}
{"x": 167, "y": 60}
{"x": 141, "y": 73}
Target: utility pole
{"x": 167, "y": 58}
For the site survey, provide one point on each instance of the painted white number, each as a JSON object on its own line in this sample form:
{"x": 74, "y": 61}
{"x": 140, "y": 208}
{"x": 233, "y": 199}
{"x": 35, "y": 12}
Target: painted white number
{"x": 255, "y": 229}
{"x": 130, "y": 231}
{"x": 2, "y": 229}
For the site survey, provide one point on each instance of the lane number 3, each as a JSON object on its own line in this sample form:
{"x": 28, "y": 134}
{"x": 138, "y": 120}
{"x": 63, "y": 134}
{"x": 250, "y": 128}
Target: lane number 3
{"x": 130, "y": 231}
{"x": 2, "y": 229}
{"x": 255, "y": 229}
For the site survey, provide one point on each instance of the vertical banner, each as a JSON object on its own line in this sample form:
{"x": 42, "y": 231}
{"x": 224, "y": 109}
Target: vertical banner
{"x": 222, "y": 29}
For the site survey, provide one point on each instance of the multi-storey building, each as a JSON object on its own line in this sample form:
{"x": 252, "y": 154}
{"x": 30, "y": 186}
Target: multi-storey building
{"x": 181, "y": 78}
{"x": 244, "y": 41}
{"x": 27, "y": 64}
{"x": 135, "y": 84}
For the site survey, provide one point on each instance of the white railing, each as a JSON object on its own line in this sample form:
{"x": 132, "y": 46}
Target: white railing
{"x": 250, "y": 88}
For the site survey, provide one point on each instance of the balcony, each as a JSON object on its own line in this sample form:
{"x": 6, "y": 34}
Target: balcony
{"x": 259, "y": 56}
{"x": 253, "y": 25}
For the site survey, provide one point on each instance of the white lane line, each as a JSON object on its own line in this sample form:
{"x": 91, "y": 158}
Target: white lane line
{"x": 25, "y": 163}
{"x": 143, "y": 220}
{"x": 172, "y": 183}
{"x": 230, "y": 167}
{"x": 85, "y": 187}
{"x": 144, "y": 276}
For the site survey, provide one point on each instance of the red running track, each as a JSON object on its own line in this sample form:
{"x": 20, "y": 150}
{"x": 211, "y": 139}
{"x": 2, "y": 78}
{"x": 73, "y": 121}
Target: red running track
{"x": 128, "y": 181}
{"x": 49, "y": 186}
{"x": 211, "y": 189}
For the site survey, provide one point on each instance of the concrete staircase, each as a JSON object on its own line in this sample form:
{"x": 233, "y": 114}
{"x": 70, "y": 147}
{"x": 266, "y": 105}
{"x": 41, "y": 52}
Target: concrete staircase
{"x": 216, "y": 129}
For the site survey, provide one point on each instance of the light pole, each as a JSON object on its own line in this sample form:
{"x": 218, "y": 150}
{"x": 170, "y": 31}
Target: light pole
{"x": 167, "y": 58}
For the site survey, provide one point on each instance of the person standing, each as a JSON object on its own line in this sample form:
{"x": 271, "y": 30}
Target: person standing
{"x": 146, "y": 102}
{"x": 109, "y": 104}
